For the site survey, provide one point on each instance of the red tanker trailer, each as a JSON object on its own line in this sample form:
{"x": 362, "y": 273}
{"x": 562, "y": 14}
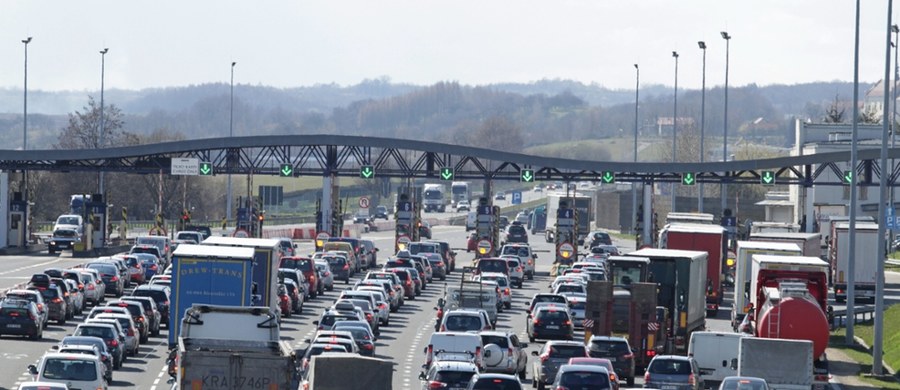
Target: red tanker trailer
{"x": 789, "y": 295}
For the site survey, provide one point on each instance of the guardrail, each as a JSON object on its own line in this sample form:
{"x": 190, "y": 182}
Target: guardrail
{"x": 860, "y": 314}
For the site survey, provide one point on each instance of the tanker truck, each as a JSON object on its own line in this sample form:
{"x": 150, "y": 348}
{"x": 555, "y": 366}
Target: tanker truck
{"x": 790, "y": 301}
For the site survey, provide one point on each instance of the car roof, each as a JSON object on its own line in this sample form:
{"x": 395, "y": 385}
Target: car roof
{"x": 673, "y": 357}
{"x": 455, "y": 365}
{"x": 567, "y": 343}
{"x": 59, "y": 355}
{"x": 608, "y": 338}
{"x": 500, "y": 333}
{"x": 582, "y": 367}
{"x": 497, "y": 376}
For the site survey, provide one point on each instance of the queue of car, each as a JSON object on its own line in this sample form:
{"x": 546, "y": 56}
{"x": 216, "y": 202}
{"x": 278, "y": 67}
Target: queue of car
{"x": 112, "y": 330}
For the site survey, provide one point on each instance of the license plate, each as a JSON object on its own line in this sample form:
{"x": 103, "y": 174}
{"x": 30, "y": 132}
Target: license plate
{"x": 13, "y": 326}
{"x": 552, "y": 326}
{"x": 669, "y": 387}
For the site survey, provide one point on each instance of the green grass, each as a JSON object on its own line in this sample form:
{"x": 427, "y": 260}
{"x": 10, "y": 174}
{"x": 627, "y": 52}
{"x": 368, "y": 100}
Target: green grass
{"x": 591, "y": 149}
{"x": 866, "y": 331}
{"x": 864, "y": 359}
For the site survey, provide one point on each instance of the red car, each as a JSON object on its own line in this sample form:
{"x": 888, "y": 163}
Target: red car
{"x": 308, "y": 267}
{"x": 472, "y": 244}
{"x": 284, "y": 301}
{"x": 409, "y": 289}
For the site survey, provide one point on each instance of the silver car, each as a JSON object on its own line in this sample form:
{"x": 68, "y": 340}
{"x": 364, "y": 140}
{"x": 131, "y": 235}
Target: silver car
{"x": 325, "y": 273}
{"x": 383, "y": 308}
{"x": 132, "y": 341}
{"x": 516, "y": 270}
{"x": 93, "y": 291}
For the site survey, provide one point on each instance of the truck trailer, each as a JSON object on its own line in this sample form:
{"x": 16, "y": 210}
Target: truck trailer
{"x": 784, "y": 364}
{"x": 711, "y": 239}
{"x": 743, "y": 267}
{"x": 209, "y": 276}
{"x": 267, "y": 253}
{"x": 579, "y": 202}
{"x": 865, "y": 259}
{"x": 809, "y": 243}
{"x": 681, "y": 281}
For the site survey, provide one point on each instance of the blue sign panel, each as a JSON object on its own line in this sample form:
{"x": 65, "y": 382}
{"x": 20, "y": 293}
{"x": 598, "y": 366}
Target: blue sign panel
{"x": 517, "y": 197}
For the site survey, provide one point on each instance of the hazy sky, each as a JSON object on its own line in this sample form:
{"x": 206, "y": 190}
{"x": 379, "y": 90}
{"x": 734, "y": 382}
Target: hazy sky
{"x": 288, "y": 43}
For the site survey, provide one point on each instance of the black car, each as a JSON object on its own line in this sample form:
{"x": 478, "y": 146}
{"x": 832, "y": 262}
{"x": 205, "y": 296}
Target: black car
{"x": 597, "y": 238}
{"x": 109, "y": 273}
{"x": 617, "y": 350}
{"x": 56, "y": 304}
{"x": 424, "y": 230}
{"x": 340, "y": 267}
{"x": 160, "y": 294}
{"x": 516, "y": 233}
{"x": 21, "y": 317}
{"x": 380, "y": 212}
{"x": 550, "y": 323}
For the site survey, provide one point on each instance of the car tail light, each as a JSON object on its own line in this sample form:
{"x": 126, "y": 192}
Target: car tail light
{"x": 443, "y": 328}
{"x": 647, "y": 377}
{"x": 284, "y": 298}
{"x": 651, "y": 353}
{"x": 56, "y": 300}
{"x": 536, "y": 321}
{"x": 140, "y": 319}
{"x": 312, "y": 279}
{"x": 509, "y": 352}
{"x": 65, "y": 294}
{"x": 436, "y": 385}
{"x": 154, "y": 267}
{"x": 440, "y": 313}
{"x": 114, "y": 343}
{"x": 429, "y": 353}
{"x": 13, "y": 314}
{"x": 691, "y": 379}
{"x": 90, "y": 287}
{"x": 80, "y": 286}
{"x": 346, "y": 266}
{"x": 114, "y": 279}
{"x": 506, "y": 292}
{"x": 628, "y": 356}
{"x": 368, "y": 317}
{"x": 567, "y": 323}
{"x": 382, "y": 306}
{"x": 612, "y": 378}
{"x": 545, "y": 356}
{"x": 131, "y": 332}
{"x": 561, "y": 388}
{"x": 368, "y": 347}
{"x": 40, "y": 306}
{"x": 327, "y": 273}
{"x": 478, "y": 357}
{"x": 408, "y": 282}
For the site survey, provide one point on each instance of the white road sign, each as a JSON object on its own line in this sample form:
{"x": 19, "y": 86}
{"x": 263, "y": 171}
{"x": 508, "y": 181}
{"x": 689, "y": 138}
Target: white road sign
{"x": 186, "y": 166}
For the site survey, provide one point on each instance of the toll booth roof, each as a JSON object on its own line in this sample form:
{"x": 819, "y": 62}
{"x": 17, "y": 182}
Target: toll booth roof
{"x": 208, "y": 251}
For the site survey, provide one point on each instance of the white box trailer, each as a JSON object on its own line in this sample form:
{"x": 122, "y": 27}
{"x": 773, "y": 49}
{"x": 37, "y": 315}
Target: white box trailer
{"x": 743, "y": 272}
{"x": 865, "y": 258}
{"x": 784, "y": 364}
{"x": 809, "y": 243}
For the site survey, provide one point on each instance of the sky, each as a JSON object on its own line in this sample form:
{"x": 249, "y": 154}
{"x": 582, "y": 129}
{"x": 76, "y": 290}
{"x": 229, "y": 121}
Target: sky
{"x": 292, "y": 43}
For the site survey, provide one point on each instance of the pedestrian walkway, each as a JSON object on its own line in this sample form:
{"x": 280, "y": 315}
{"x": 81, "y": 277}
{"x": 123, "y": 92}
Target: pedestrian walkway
{"x": 845, "y": 371}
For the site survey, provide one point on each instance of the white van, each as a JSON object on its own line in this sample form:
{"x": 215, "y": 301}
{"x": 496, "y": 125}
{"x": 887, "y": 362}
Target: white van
{"x": 75, "y": 370}
{"x": 473, "y": 297}
{"x": 471, "y": 219}
{"x": 458, "y": 346}
{"x": 716, "y": 354}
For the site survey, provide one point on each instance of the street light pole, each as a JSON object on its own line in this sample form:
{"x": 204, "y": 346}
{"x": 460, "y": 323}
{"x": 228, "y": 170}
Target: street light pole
{"x": 674, "y": 125}
{"x": 102, "y": 119}
{"x": 724, "y": 187}
{"x": 896, "y": 43}
{"x": 637, "y": 87}
{"x": 851, "y": 265}
{"x": 26, "y": 41}
{"x": 229, "y": 195}
{"x": 702, "y": 122}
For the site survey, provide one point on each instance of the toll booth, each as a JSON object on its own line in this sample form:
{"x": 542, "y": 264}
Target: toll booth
{"x": 18, "y": 221}
{"x": 566, "y": 234}
{"x": 96, "y": 221}
{"x": 406, "y": 228}
{"x": 4, "y": 209}
{"x": 487, "y": 228}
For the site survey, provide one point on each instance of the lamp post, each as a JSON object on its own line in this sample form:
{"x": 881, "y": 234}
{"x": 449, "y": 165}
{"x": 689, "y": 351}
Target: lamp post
{"x": 896, "y": 30}
{"x": 26, "y": 41}
{"x": 702, "y": 121}
{"x": 102, "y": 119}
{"x": 674, "y": 124}
{"x": 851, "y": 265}
{"x": 724, "y": 187}
{"x": 637, "y": 86}
{"x": 228, "y": 196}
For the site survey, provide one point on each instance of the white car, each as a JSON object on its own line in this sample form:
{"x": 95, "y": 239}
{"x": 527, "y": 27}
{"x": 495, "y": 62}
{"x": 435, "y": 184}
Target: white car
{"x": 326, "y": 275}
{"x": 572, "y": 278}
{"x": 516, "y": 270}
{"x": 525, "y": 255}
{"x": 502, "y": 282}
{"x": 382, "y": 306}
{"x": 75, "y": 370}
{"x": 462, "y": 205}
{"x": 570, "y": 288}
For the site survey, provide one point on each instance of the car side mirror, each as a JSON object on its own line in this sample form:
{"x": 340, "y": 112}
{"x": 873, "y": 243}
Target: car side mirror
{"x": 32, "y": 369}
{"x": 307, "y": 340}
{"x": 535, "y": 353}
{"x": 422, "y": 375}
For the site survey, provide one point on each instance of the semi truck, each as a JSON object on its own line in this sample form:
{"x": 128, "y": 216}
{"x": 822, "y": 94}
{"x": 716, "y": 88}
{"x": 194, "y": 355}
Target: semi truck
{"x": 460, "y": 190}
{"x": 865, "y": 258}
{"x": 208, "y": 275}
{"x": 584, "y": 209}
{"x": 681, "y": 281}
{"x": 537, "y": 222}
{"x": 784, "y": 364}
{"x": 627, "y": 311}
{"x": 827, "y": 225}
{"x": 743, "y": 266}
{"x": 267, "y": 253}
{"x": 711, "y": 239}
{"x": 434, "y": 199}
{"x": 790, "y": 301}
{"x": 247, "y": 353}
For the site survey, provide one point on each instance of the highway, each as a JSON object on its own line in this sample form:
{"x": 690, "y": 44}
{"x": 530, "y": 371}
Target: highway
{"x": 402, "y": 342}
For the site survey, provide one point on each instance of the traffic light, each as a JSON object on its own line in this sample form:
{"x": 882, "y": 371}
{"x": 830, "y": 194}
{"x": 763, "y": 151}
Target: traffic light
{"x": 367, "y": 172}
{"x": 688, "y": 179}
{"x": 287, "y": 170}
{"x": 447, "y": 173}
{"x": 186, "y": 217}
{"x": 527, "y": 175}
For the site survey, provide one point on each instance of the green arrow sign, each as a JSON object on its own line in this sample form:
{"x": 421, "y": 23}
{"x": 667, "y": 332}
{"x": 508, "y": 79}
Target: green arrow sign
{"x": 287, "y": 170}
{"x": 608, "y": 177}
{"x": 688, "y": 179}
{"x": 206, "y": 169}
{"x": 527, "y": 175}
{"x": 366, "y": 172}
{"x": 767, "y": 178}
{"x": 848, "y": 177}
{"x": 446, "y": 173}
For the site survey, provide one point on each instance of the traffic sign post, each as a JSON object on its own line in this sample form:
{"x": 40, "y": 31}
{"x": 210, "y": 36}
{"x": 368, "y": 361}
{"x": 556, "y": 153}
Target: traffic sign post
{"x": 185, "y": 166}
{"x": 767, "y": 178}
{"x": 566, "y": 250}
{"x": 321, "y": 238}
{"x": 447, "y": 173}
{"x": 608, "y": 177}
{"x": 688, "y": 179}
{"x": 287, "y": 170}
{"x": 364, "y": 202}
{"x": 527, "y": 175}
{"x": 367, "y": 172}
{"x": 206, "y": 168}
{"x": 517, "y": 197}
{"x": 403, "y": 242}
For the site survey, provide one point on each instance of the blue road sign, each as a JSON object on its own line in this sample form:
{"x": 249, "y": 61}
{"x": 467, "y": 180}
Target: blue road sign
{"x": 565, "y": 213}
{"x": 485, "y": 210}
{"x": 517, "y": 197}
{"x": 891, "y": 219}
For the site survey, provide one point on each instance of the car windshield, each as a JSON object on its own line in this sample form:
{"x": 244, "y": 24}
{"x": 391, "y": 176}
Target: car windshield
{"x": 70, "y": 369}
{"x": 496, "y": 384}
{"x": 551, "y": 314}
{"x": 609, "y": 347}
{"x": 49, "y": 293}
{"x": 570, "y": 288}
{"x": 670, "y": 367}
{"x": 454, "y": 378}
{"x": 157, "y": 295}
{"x": 463, "y": 323}
{"x": 66, "y": 233}
{"x": 95, "y": 331}
{"x": 415, "y": 248}
{"x": 358, "y": 333}
{"x": 567, "y": 351}
{"x": 296, "y": 263}
{"x": 584, "y": 380}
{"x": 519, "y": 251}
{"x": 67, "y": 221}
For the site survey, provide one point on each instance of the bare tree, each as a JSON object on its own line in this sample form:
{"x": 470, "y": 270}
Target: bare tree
{"x": 498, "y": 133}
{"x": 83, "y": 130}
{"x": 835, "y": 112}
